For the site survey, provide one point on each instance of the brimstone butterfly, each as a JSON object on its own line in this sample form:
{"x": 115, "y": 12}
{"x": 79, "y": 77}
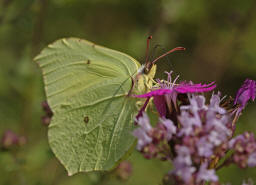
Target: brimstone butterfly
{"x": 87, "y": 87}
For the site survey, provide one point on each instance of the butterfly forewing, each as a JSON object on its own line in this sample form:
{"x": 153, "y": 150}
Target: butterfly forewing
{"x": 97, "y": 90}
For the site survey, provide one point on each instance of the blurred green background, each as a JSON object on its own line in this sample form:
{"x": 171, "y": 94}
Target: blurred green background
{"x": 220, "y": 37}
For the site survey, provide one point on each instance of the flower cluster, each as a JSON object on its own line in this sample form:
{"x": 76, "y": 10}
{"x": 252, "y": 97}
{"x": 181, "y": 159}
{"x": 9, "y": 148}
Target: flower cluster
{"x": 194, "y": 134}
{"x": 153, "y": 142}
{"x": 244, "y": 147}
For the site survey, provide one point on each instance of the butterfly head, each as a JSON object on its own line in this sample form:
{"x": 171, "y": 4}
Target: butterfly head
{"x": 150, "y": 72}
{"x": 146, "y": 73}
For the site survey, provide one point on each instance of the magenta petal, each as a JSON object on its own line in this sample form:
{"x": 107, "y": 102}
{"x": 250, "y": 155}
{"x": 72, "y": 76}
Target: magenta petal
{"x": 142, "y": 108}
{"x": 207, "y": 89}
{"x": 157, "y": 92}
{"x": 206, "y": 85}
{"x": 195, "y": 88}
{"x": 159, "y": 102}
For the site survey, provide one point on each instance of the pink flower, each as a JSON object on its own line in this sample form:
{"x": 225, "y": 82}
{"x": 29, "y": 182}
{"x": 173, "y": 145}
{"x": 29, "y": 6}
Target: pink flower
{"x": 169, "y": 90}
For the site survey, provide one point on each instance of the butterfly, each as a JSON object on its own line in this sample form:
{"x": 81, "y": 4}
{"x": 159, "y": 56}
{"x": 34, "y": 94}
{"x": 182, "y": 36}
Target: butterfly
{"x": 88, "y": 88}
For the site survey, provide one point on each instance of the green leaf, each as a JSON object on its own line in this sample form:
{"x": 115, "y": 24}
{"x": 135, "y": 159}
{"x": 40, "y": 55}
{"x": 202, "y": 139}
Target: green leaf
{"x": 86, "y": 87}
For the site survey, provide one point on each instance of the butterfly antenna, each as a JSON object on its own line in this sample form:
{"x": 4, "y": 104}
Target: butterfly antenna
{"x": 167, "y": 58}
{"x": 171, "y": 51}
{"x": 147, "y": 50}
{"x": 164, "y": 51}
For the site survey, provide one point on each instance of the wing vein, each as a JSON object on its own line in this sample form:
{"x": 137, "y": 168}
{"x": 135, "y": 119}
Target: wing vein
{"x": 115, "y": 128}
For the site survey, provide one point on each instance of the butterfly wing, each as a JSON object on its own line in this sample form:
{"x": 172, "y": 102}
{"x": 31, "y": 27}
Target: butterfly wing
{"x": 86, "y": 87}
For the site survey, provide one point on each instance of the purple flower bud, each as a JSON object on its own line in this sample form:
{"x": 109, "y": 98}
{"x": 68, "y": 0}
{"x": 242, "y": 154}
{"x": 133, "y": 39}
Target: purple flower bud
{"x": 183, "y": 157}
{"x": 252, "y": 160}
{"x": 217, "y": 126}
{"x": 188, "y": 123}
{"x": 46, "y": 119}
{"x": 200, "y": 100}
{"x": 215, "y": 104}
{"x": 150, "y": 151}
{"x": 143, "y": 138}
{"x": 170, "y": 127}
{"x": 182, "y": 164}
{"x": 47, "y": 108}
{"x": 244, "y": 147}
{"x": 197, "y": 103}
{"x": 204, "y": 147}
{"x": 206, "y": 175}
{"x": 9, "y": 139}
{"x": 185, "y": 173}
{"x": 234, "y": 140}
{"x": 144, "y": 122}
{"x": 223, "y": 132}
{"x": 215, "y": 138}
{"x": 142, "y": 132}
{"x": 246, "y": 92}
{"x": 124, "y": 170}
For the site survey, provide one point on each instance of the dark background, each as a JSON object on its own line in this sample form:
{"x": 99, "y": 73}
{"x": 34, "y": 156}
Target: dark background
{"x": 220, "y": 38}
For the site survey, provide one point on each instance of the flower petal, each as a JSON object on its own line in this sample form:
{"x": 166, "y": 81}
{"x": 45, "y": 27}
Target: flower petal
{"x": 196, "y": 88}
{"x": 159, "y": 102}
{"x": 142, "y": 109}
{"x": 157, "y": 92}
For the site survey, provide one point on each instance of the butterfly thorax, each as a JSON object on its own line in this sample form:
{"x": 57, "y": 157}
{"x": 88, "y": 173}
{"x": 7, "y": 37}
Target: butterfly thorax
{"x": 144, "y": 81}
